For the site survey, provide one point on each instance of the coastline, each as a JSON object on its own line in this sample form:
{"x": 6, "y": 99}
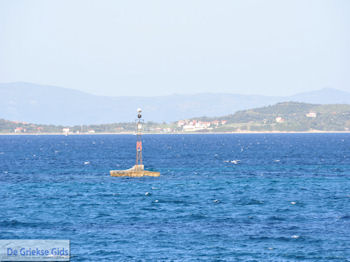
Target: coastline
{"x": 181, "y": 133}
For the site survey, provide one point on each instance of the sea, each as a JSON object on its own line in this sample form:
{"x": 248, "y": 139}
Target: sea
{"x": 220, "y": 197}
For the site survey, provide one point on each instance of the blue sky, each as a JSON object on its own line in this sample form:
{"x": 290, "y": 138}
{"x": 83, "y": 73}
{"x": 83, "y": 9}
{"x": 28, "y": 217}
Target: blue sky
{"x": 149, "y": 48}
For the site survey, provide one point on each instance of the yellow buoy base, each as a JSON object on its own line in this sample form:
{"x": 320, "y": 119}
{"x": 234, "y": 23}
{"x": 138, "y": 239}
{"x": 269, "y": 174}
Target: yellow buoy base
{"x": 135, "y": 171}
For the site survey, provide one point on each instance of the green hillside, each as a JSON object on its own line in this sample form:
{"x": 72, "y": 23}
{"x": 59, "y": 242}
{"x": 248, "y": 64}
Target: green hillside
{"x": 290, "y": 116}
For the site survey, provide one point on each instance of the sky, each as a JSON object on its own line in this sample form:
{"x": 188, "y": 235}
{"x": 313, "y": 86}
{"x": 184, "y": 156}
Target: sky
{"x": 159, "y": 47}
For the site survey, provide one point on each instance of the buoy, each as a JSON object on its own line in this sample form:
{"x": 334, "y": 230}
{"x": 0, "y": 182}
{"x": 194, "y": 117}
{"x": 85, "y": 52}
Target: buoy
{"x": 138, "y": 169}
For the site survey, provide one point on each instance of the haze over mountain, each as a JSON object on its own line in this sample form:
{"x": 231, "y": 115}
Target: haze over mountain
{"x": 55, "y": 105}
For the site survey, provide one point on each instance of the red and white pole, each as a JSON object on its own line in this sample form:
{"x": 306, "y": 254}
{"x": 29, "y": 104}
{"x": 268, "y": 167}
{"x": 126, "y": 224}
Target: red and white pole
{"x": 139, "y": 139}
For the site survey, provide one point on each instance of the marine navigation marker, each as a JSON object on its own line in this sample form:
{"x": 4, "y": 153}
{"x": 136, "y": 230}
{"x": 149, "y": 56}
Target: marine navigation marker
{"x": 138, "y": 169}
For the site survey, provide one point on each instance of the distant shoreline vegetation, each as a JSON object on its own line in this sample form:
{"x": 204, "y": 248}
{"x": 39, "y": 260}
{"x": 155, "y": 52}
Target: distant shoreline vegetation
{"x": 281, "y": 117}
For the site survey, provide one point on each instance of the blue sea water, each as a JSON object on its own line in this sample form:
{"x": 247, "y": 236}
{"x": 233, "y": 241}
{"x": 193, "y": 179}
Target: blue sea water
{"x": 286, "y": 199}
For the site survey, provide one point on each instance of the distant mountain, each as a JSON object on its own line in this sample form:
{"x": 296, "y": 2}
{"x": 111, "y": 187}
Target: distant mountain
{"x": 286, "y": 116}
{"x": 323, "y": 96}
{"x": 55, "y": 105}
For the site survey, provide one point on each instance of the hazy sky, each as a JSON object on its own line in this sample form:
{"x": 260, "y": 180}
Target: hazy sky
{"x": 130, "y": 47}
